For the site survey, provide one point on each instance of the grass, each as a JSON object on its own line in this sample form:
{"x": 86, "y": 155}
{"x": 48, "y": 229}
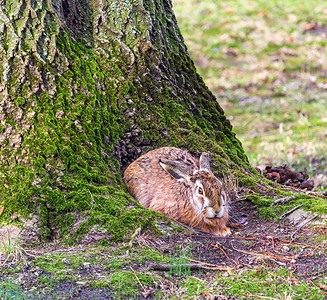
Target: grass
{"x": 277, "y": 284}
{"x": 269, "y": 77}
{"x": 111, "y": 275}
{"x": 11, "y": 250}
{"x": 267, "y": 73}
{"x": 10, "y": 290}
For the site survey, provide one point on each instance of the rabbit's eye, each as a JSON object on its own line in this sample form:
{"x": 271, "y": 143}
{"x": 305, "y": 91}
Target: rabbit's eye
{"x": 200, "y": 191}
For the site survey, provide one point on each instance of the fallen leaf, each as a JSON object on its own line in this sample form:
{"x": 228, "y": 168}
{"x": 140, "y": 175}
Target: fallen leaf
{"x": 2, "y": 208}
{"x": 311, "y": 26}
{"x": 262, "y": 13}
{"x": 231, "y": 52}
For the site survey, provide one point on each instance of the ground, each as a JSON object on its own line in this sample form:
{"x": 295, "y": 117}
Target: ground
{"x": 258, "y": 260}
{"x": 266, "y": 63}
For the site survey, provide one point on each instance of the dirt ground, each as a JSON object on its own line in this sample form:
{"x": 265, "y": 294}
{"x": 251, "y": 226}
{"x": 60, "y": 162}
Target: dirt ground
{"x": 258, "y": 241}
{"x": 256, "y": 244}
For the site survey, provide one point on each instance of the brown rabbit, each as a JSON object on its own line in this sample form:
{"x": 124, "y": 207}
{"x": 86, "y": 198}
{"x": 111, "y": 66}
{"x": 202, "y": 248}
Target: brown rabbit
{"x": 172, "y": 182}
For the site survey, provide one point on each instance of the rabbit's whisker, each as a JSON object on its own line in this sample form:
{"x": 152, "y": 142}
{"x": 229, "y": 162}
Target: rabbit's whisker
{"x": 193, "y": 223}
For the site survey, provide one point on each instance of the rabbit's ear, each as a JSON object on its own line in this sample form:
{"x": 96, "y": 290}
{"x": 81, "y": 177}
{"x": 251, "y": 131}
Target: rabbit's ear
{"x": 177, "y": 170}
{"x": 205, "y": 162}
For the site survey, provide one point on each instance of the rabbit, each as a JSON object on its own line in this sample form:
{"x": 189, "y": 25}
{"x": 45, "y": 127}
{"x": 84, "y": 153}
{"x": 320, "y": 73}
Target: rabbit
{"x": 173, "y": 183}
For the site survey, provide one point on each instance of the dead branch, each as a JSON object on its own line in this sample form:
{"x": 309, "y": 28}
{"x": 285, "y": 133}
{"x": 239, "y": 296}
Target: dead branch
{"x": 290, "y": 211}
{"x": 305, "y": 223}
{"x": 281, "y": 201}
{"x": 183, "y": 225}
{"x": 191, "y": 266}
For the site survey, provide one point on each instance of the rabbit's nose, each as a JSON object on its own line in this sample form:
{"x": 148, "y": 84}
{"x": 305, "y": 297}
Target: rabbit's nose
{"x": 220, "y": 213}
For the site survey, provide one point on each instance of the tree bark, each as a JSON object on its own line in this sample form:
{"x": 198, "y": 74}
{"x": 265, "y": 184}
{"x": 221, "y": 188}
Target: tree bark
{"x": 86, "y": 87}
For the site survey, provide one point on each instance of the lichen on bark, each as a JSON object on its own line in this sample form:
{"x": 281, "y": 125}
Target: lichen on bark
{"x": 86, "y": 87}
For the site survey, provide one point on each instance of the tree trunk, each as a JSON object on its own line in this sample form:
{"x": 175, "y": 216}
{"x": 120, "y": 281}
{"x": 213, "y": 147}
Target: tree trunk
{"x": 86, "y": 87}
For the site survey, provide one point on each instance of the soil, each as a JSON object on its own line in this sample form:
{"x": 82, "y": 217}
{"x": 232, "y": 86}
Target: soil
{"x": 255, "y": 243}
{"x": 259, "y": 240}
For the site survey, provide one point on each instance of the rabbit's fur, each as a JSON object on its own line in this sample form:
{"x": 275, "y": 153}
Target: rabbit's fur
{"x": 172, "y": 182}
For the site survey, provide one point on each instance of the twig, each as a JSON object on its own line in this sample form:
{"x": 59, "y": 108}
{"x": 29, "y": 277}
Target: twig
{"x": 311, "y": 252}
{"x": 243, "y": 198}
{"x": 154, "y": 246}
{"x": 201, "y": 262}
{"x": 192, "y": 266}
{"x": 235, "y": 261}
{"x": 271, "y": 257}
{"x": 228, "y": 237}
{"x": 247, "y": 252}
{"x": 316, "y": 274}
{"x": 274, "y": 256}
{"x": 290, "y": 211}
{"x": 183, "y": 225}
{"x": 27, "y": 253}
{"x": 138, "y": 279}
{"x": 316, "y": 286}
{"x": 305, "y": 223}
{"x": 204, "y": 263}
{"x": 288, "y": 242}
{"x": 282, "y": 200}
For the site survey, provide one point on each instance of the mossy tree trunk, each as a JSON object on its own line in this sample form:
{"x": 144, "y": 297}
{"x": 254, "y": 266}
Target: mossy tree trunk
{"x": 86, "y": 87}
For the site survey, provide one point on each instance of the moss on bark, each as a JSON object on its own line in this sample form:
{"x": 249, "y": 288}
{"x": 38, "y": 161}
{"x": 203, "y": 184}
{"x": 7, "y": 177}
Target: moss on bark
{"x": 87, "y": 87}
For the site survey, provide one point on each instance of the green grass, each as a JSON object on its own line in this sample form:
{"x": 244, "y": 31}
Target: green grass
{"x": 119, "y": 281}
{"x": 10, "y": 290}
{"x": 269, "y": 76}
{"x": 243, "y": 49}
{"x": 277, "y": 284}
{"x": 272, "y": 88}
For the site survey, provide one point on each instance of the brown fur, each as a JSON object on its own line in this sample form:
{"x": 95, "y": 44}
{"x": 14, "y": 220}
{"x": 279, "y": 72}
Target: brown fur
{"x": 156, "y": 189}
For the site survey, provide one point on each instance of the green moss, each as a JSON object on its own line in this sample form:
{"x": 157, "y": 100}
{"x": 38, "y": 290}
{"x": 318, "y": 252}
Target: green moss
{"x": 260, "y": 200}
{"x": 20, "y": 101}
{"x": 194, "y": 286}
{"x": 124, "y": 282}
{"x": 70, "y": 172}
